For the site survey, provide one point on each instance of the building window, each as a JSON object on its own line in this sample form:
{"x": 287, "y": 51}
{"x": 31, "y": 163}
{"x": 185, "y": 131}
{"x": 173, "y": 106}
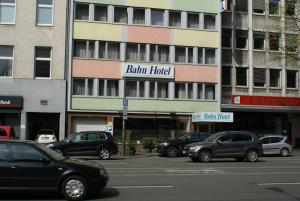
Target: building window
{"x": 82, "y": 12}
{"x": 180, "y": 55}
{"x": 210, "y": 92}
{"x": 241, "y": 6}
{"x": 157, "y": 17}
{"x": 45, "y": 12}
{"x": 226, "y": 75}
{"x": 90, "y": 87}
{"x": 200, "y": 91}
{"x": 193, "y": 20}
{"x": 175, "y": 19}
{"x": 136, "y": 52}
{"x": 274, "y": 40}
{"x": 274, "y": 7}
{"x": 259, "y": 77}
{"x": 113, "y": 50}
{"x": 159, "y": 53}
{"x": 138, "y": 16}
{"x": 152, "y": 90}
{"x": 190, "y": 55}
{"x": 259, "y": 40}
{"x": 131, "y": 89}
{"x": 180, "y": 91}
{"x": 200, "y": 55}
{"x": 275, "y": 78}
{"x": 210, "y": 56}
{"x": 241, "y": 39}
{"x": 291, "y": 43}
{"x": 42, "y": 62}
{"x": 79, "y": 87}
{"x": 241, "y": 77}
{"x": 259, "y": 6}
{"x": 112, "y": 88}
{"x": 84, "y": 49}
{"x": 100, "y": 14}
{"x": 190, "y": 91}
{"x": 7, "y": 11}
{"x": 6, "y": 60}
{"x": 162, "y": 89}
{"x": 101, "y": 87}
{"x": 121, "y": 15}
{"x": 226, "y": 37}
{"x": 210, "y": 22}
{"x": 291, "y": 79}
{"x": 290, "y": 6}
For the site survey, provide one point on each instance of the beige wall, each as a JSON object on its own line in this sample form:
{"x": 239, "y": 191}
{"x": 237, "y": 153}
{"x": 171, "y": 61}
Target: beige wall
{"x": 24, "y": 35}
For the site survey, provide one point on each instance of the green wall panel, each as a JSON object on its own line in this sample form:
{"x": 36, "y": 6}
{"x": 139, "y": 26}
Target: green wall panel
{"x": 135, "y": 105}
{"x": 111, "y": 2}
{"x": 207, "y": 6}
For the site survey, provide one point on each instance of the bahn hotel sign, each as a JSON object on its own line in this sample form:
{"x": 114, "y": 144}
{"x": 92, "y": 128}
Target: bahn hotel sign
{"x": 148, "y": 70}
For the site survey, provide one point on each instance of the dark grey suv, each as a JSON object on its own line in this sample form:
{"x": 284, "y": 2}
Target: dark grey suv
{"x": 240, "y": 145}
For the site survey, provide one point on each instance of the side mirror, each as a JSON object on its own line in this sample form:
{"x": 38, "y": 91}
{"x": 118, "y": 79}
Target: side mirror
{"x": 219, "y": 142}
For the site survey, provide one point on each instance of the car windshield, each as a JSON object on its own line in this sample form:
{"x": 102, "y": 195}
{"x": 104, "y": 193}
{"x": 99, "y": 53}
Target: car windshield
{"x": 70, "y": 137}
{"x": 46, "y": 132}
{"x": 185, "y": 137}
{"x": 53, "y": 154}
{"x": 213, "y": 137}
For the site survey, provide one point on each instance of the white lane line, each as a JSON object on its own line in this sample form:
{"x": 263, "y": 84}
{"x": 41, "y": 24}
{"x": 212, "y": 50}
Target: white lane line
{"x": 128, "y": 187}
{"x": 275, "y": 184}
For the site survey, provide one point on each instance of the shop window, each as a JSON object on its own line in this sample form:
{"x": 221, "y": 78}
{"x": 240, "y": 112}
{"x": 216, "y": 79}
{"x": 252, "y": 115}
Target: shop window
{"x": 259, "y": 40}
{"x": 82, "y": 12}
{"x": 100, "y": 14}
{"x": 291, "y": 79}
{"x": 242, "y": 76}
{"x": 275, "y": 78}
{"x": 112, "y": 88}
{"x": 226, "y": 75}
{"x": 175, "y": 19}
{"x": 241, "y": 6}
{"x": 101, "y": 87}
{"x": 226, "y": 37}
{"x": 210, "y": 92}
{"x": 84, "y": 49}
{"x": 180, "y": 55}
{"x": 45, "y": 12}
{"x": 157, "y": 17}
{"x": 210, "y": 22}
{"x": 162, "y": 89}
{"x": 259, "y": 77}
{"x": 290, "y": 6}
{"x": 113, "y": 50}
{"x": 259, "y": 6}
{"x": 79, "y": 87}
{"x": 274, "y": 7}
{"x": 274, "y": 40}
{"x": 180, "y": 91}
{"x": 241, "y": 39}
{"x": 7, "y": 11}
{"x": 42, "y": 62}
{"x": 210, "y": 56}
{"x": 159, "y": 53}
{"x": 200, "y": 91}
{"x": 190, "y": 55}
{"x": 90, "y": 87}
{"x": 193, "y": 20}
{"x": 6, "y": 60}
{"x": 121, "y": 15}
{"x": 200, "y": 55}
{"x": 138, "y": 16}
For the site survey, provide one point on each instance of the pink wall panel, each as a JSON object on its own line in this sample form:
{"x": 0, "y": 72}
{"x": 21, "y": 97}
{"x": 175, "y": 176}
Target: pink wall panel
{"x": 96, "y": 69}
{"x": 192, "y": 73}
{"x": 141, "y": 34}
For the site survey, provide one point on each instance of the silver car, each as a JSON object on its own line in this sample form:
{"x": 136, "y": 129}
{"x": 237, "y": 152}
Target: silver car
{"x": 276, "y": 144}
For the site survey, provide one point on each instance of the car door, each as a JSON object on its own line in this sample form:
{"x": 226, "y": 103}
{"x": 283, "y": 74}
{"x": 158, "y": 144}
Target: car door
{"x": 266, "y": 145}
{"x": 74, "y": 146}
{"x": 239, "y": 144}
{"x": 91, "y": 142}
{"x": 8, "y": 177}
{"x": 224, "y": 146}
{"x": 274, "y": 146}
{"x": 34, "y": 169}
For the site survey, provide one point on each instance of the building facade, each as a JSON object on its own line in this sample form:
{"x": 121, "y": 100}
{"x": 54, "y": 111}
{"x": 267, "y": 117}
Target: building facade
{"x": 163, "y": 55}
{"x": 32, "y": 66}
{"x": 260, "y": 66}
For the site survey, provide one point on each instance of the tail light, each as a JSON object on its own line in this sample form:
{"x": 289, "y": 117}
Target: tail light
{"x": 288, "y": 141}
{"x": 11, "y": 137}
{"x": 114, "y": 141}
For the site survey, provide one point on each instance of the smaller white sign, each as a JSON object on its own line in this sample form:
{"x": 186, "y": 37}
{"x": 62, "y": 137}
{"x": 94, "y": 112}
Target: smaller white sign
{"x": 109, "y": 128}
{"x": 223, "y": 6}
{"x": 148, "y": 70}
{"x": 212, "y": 117}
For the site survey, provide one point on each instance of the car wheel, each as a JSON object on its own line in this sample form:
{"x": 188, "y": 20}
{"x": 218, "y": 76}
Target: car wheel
{"x": 284, "y": 152}
{"x": 104, "y": 154}
{"x": 205, "y": 156}
{"x": 74, "y": 188}
{"x": 252, "y": 156}
{"x": 195, "y": 159}
{"x": 240, "y": 159}
{"x": 172, "y": 152}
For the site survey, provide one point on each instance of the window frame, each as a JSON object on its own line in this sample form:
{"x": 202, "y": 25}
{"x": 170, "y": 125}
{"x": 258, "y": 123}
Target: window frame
{"x": 254, "y": 77}
{"x": 100, "y": 5}
{"x": 133, "y": 14}
{"x": 164, "y": 18}
{"x": 215, "y": 18}
{"x": 280, "y": 78}
{"x": 169, "y": 22}
{"x": 45, "y": 6}
{"x": 43, "y": 59}
{"x": 15, "y": 11}
{"x": 120, "y": 7}
{"x": 296, "y": 79}
{"x": 247, "y": 77}
{"x": 9, "y": 58}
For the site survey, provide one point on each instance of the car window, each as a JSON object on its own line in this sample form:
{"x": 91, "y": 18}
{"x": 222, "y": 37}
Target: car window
{"x": 77, "y": 138}
{"x": 226, "y": 138}
{"x": 185, "y": 137}
{"x": 102, "y": 136}
{"x": 237, "y": 137}
{"x": 265, "y": 140}
{"x": 25, "y": 153}
{"x": 2, "y": 132}
{"x": 194, "y": 136}
{"x": 3, "y": 152}
{"x": 203, "y": 136}
{"x": 276, "y": 139}
{"x": 247, "y": 137}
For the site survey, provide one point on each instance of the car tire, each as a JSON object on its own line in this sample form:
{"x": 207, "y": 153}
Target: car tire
{"x": 240, "y": 159}
{"x": 172, "y": 152}
{"x": 252, "y": 156}
{"x": 284, "y": 152}
{"x": 104, "y": 154}
{"x": 74, "y": 188}
{"x": 205, "y": 156}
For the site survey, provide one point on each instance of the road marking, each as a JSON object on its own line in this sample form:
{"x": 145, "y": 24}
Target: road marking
{"x": 205, "y": 171}
{"x": 274, "y": 184}
{"x": 128, "y": 187}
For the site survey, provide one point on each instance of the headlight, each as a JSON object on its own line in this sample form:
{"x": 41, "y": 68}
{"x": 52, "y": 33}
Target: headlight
{"x": 50, "y": 145}
{"x": 164, "y": 144}
{"x": 195, "y": 148}
{"x": 103, "y": 172}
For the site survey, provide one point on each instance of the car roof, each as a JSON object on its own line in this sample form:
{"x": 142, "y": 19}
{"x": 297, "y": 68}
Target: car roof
{"x": 272, "y": 135}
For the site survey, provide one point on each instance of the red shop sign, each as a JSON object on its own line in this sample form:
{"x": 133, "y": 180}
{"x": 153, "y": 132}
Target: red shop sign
{"x": 265, "y": 101}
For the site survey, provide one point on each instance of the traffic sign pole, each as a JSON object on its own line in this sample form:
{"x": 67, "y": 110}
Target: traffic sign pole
{"x": 124, "y": 117}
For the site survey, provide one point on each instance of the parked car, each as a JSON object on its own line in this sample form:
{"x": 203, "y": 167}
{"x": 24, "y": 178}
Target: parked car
{"x": 240, "y": 145}
{"x": 173, "y": 148}
{"x": 87, "y": 143}
{"x": 46, "y": 136}
{"x": 276, "y": 144}
{"x": 27, "y": 165}
{"x": 7, "y": 132}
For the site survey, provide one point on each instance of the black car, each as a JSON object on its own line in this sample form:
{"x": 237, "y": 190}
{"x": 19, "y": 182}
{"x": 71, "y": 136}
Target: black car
{"x": 240, "y": 145}
{"x": 29, "y": 166}
{"x": 173, "y": 148}
{"x": 87, "y": 143}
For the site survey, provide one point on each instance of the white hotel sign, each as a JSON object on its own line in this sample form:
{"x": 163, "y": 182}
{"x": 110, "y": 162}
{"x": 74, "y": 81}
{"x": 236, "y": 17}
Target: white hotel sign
{"x": 148, "y": 70}
{"x": 212, "y": 117}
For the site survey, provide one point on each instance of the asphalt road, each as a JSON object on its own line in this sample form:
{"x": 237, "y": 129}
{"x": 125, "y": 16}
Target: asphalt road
{"x": 157, "y": 178}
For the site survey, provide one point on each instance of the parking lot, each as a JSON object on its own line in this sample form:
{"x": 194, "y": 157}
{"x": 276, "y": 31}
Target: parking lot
{"x": 150, "y": 177}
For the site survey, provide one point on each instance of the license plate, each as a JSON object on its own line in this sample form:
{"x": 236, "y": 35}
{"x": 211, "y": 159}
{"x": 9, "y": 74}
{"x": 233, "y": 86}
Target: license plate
{"x": 45, "y": 138}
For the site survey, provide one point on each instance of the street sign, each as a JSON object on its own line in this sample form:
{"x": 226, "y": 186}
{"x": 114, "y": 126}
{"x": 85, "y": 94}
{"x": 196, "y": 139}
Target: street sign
{"x": 125, "y": 102}
{"x": 223, "y": 5}
{"x": 109, "y": 128}
{"x": 125, "y": 107}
